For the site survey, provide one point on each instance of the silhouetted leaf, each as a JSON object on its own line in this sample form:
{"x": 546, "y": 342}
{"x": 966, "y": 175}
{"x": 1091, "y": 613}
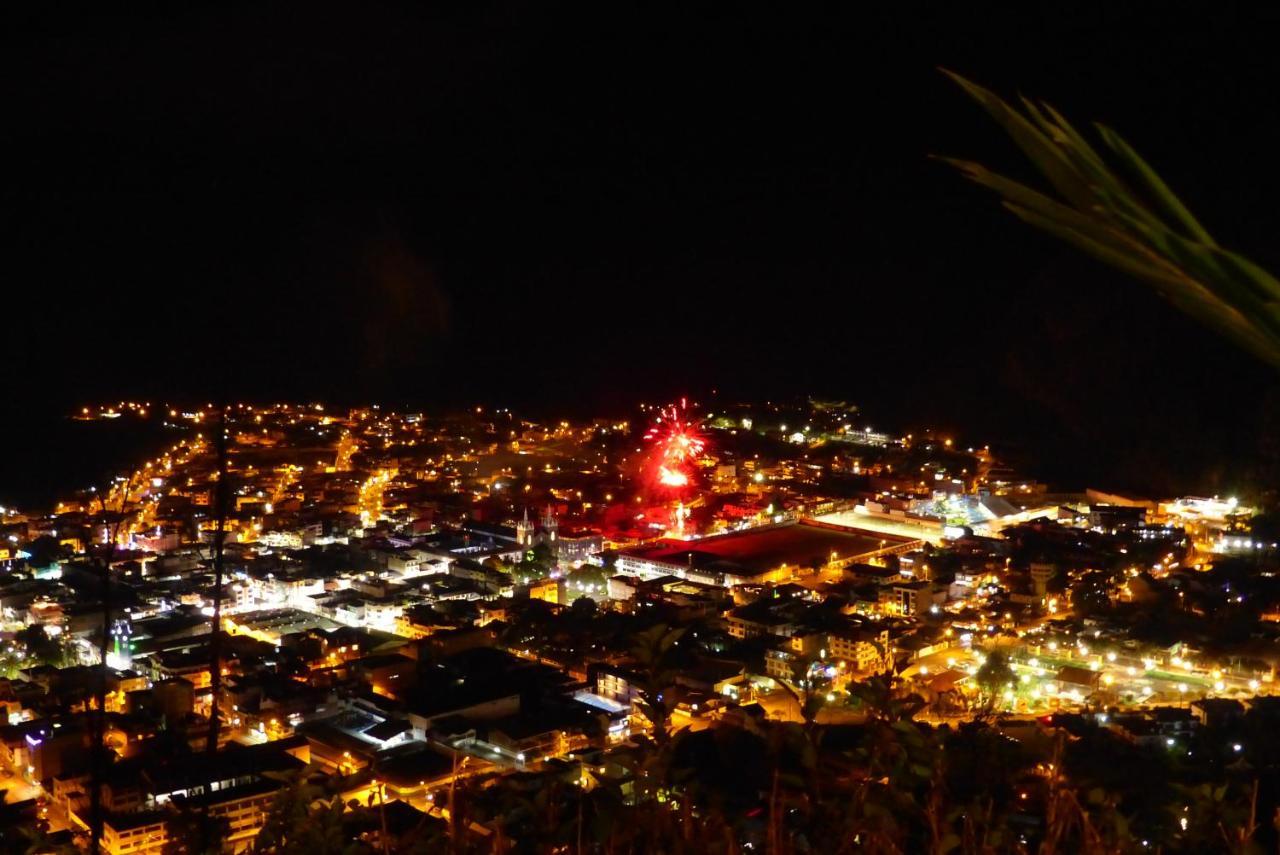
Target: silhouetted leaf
{"x": 1142, "y": 229}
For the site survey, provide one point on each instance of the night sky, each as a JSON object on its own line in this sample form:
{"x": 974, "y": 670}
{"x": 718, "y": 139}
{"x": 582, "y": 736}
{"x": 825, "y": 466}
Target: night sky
{"x": 577, "y": 206}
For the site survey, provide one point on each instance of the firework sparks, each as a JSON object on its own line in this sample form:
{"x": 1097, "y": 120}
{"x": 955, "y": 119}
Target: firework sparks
{"x": 668, "y": 477}
{"x": 677, "y": 445}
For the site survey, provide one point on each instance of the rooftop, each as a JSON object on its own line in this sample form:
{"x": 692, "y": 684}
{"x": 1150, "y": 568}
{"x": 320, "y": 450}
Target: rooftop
{"x": 758, "y": 551}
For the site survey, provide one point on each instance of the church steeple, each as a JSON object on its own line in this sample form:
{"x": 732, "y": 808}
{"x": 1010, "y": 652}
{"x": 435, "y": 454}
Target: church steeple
{"x": 550, "y": 525}
{"x": 525, "y": 530}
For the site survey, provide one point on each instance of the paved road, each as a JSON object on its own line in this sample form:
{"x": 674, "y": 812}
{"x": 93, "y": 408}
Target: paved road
{"x": 17, "y": 789}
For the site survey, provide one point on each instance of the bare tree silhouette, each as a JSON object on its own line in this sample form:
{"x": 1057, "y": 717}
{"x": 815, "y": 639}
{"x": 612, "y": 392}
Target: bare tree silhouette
{"x": 222, "y": 490}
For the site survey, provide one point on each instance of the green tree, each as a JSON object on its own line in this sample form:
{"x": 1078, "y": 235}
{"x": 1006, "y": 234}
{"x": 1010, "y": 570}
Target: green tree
{"x": 40, "y": 842}
{"x": 589, "y": 578}
{"x": 807, "y": 696}
{"x": 45, "y": 550}
{"x": 40, "y": 646}
{"x": 994, "y": 676}
{"x": 192, "y": 831}
{"x": 653, "y": 652}
{"x": 583, "y": 609}
{"x": 536, "y": 563}
{"x": 302, "y": 821}
{"x": 22, "y": 833}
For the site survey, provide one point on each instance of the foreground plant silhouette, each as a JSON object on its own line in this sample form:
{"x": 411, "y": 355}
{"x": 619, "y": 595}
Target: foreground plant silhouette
{"x": 1112, "y": 205}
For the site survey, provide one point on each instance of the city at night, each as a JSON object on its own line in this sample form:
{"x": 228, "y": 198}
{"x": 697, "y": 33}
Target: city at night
{"x": 536, "y": 428}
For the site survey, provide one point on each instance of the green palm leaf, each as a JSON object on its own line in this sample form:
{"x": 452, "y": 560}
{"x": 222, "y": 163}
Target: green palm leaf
{"x": 1112, "y": 205}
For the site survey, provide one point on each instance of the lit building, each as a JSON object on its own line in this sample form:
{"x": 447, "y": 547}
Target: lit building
{"x": 911, "y": 599}
{"x": 545, "y": 589}
{"x": 143, "y": 795}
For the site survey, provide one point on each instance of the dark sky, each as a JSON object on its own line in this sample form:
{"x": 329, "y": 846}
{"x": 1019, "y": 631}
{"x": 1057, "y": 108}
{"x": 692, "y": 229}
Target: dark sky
{"x": 579, "y": 205}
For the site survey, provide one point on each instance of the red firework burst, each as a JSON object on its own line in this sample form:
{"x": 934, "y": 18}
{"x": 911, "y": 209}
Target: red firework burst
{"x": 677, "y": 445}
